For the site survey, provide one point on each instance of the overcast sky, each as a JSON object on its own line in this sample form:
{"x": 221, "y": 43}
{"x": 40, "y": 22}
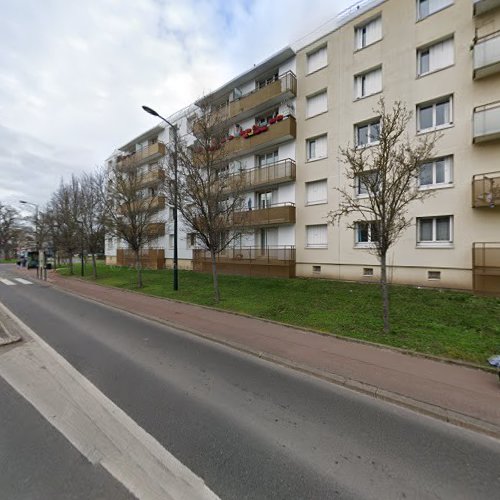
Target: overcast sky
{"x": 74, "y": 74}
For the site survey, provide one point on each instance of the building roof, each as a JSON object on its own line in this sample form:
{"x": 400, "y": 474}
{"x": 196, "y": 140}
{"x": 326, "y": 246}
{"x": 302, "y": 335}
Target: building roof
{"x": 152, "y": 132}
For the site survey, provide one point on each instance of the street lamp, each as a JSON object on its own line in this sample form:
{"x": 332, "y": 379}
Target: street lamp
{"x": 36, "y": 233}
{"x": 176, "y": 138}
{"x": 82, "y": 268}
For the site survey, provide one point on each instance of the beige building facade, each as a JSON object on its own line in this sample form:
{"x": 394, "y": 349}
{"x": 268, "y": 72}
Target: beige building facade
{"x": 442, "y": 59}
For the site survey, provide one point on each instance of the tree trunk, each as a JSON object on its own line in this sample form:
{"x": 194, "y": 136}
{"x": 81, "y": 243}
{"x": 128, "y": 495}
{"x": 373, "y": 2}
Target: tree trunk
{"x": 138, "y": 266}
{"x": 385, "y": 291}
{"x": 215, "y": 277}
{"x": 71, "y": 264}
{"x": 94, "y": 267}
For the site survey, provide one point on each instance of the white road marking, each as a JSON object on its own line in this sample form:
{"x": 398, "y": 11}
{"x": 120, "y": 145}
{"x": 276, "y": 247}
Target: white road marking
{"x": 23, "y": 281}
{"x": 5, "y": 281}
{"x": 98, "y": 428}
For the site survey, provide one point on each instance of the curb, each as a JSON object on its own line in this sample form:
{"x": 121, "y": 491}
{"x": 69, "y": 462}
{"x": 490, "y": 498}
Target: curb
{"x": 430, "y": 410}
{"x": 7, "y": 331}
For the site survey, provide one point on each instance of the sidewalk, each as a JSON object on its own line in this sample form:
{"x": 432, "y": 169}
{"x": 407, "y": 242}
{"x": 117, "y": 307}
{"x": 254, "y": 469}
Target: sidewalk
{"x": 458, "y": 394}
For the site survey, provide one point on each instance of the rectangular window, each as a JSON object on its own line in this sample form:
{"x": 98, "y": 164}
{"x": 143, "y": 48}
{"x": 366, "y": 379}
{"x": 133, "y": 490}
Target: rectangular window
{"x": 366, "y": 233}
{"x": 427, "y": 7}
{"x": 316, "y": 60}
{"x": 316, "y": 104}
{"x": 436, "y": 173}
{"x": 366, "y": 182}
{"x": 433, "y": 275}
{"x": 266, "y": 81}
{"x": 369, "y": 33}
{"x": 435, "y": 114}
{"x": 267, "y": 158}
{"x": 316, "y": 192}
{"x": 434, "y": 57}
{"x": 432, "y": 231}
{"x": 368, "y": 83}
{"x": 367, "y": 133}
{"x": 170, "y": 241}
{"x": 190, "y": 240}
{"x": 368, "y": 271}
{"x": 316, "y": 148}
{"x": 317, "y": 236}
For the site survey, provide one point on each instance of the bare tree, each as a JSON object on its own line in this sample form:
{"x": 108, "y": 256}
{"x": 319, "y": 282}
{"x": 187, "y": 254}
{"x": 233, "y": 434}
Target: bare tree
{"x": 388, "y": 173}
{"x": 132, "y": 209}
{"x": 65, "y": 210}
{"x": 208, "y": 193}
{"x": 92, "y": 213}
{"x": 9, "y": 227}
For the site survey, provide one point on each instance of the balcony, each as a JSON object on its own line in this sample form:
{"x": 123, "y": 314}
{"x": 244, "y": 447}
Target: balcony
{"x": 280, "y": 213}
{"x": 487, "y": 122}
{"x": 276, "y": 261}
{"x": 148, "y": 153}
{"x": 265, "y": 176}
{"x": 144, "y": 205}
{"x": 486, "y": 190}
{"x": 151, "y": 258}
{"x": 487, "y": 55}
{"x": 156, "y": 229}
{"x": 275, "y": 133}
{"x": 152, "y": 178}
{"x": 486, "y": 268}
{"x": 259, "y": 99}
{"x": 483, "y": 6}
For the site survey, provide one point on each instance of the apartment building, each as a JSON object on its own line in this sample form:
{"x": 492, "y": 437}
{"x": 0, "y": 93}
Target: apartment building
{"x": 145, "y": 153}
{"x": 442, "y": 58}
{"x": 258, "y": 108}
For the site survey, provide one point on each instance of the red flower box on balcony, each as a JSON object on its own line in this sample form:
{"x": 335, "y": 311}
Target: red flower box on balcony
{"x": 279, "y": 118}
{"x": 272, "y": 120}
{"x": 230, "y": 138}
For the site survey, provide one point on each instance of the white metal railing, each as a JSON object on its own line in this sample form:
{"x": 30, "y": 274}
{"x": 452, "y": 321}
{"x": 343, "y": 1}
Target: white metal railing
{"x": 487, "y": 50}
{"x": 487, "y": 120}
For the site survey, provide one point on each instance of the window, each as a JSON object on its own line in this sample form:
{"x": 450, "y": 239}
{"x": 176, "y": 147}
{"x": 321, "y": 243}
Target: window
{"x": 364, "y": 181}
{"x": 317, "y": 236}
{"x": 266, "y": 81}
{"x": 427, "y": 7}
{"x": 316, "y": 60}
{"x": 434, "y": 115}
{"x": 366, "y": 233}
{"x": 267, "y": 158}
{"x": 170, "y": 241}
{"x": 368, "y": 83}
{"x": 436, "y": 173}
{"x": 264, "y": 119}
{"x": 369, "y": 33}
{"x": 190, "y": 240}
{"x": 316, "y": 192}
{"x": 433, "y": 275}
{"x": 316, "y": 104}
{"x": 434, "y": 231}
{"x": 170, "y": 213}
{"x": 367, "y": 133}
{"x": 434, "y": 57}
{"x": 367, "y": 271}
{"x": 316, "y": 269}
{"x": 316, "y": 148}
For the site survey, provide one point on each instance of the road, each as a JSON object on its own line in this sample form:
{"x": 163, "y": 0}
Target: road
{"x": 249, "y": 428}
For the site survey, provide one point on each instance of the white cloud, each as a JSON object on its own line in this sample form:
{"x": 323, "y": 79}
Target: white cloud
{"x": 74, "y": 74}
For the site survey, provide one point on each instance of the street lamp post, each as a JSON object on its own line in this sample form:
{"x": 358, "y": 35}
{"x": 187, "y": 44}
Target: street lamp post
{"x": 176, "y": 138}
{"x": 38, "y": 273}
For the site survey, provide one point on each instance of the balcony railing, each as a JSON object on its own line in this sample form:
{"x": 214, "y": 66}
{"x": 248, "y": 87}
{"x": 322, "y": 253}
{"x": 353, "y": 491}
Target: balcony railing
{"x": 486, "y": 190}
{"x": 267, "y": 175}
{"x": 279, "y": 213}
{"x": 487, "y": 122}
{"x": 482, "y": 6}
{"x": 276, "y": 133}
{"x": 145, "y": 204}
{"x": 147, "y": 153}
{"x": 151, "y": 258}
{"x": 156, "y": 229}
{"x": 276, "y": 261}
{"x": 284, "y": 87}
{"x": 486, "y": 267}
{"x": 487, "y": 55}
{"x": 152, "y": 177}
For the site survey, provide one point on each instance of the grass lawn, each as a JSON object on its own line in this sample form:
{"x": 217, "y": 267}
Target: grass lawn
{"x": 452, "y": 324}
{"x": 8, "y": 261}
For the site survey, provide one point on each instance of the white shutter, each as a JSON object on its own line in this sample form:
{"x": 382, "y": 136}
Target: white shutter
{"x": 374, "y": 31}
{"x": 316, "y": 60}
{"x": 316, "y": 104}
{"x": 373, "y": 83}
{"x": 317, "y": 236}
{"x": 441, "y": 55}
{"x": 358, "y": 87}
{"x": 316, "y": 192}
{"x": 321, "y": 151}
{"x": 448, "y": 169}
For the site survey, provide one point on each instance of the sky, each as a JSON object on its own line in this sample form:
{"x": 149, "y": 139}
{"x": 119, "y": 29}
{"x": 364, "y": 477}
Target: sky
{"x": 74, "y": 74}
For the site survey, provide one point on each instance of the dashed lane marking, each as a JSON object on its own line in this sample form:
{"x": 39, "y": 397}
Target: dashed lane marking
{"x": 5, "y": 281}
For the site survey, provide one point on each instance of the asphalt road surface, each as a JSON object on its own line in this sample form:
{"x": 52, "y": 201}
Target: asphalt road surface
{"x": 249, "y": 428}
